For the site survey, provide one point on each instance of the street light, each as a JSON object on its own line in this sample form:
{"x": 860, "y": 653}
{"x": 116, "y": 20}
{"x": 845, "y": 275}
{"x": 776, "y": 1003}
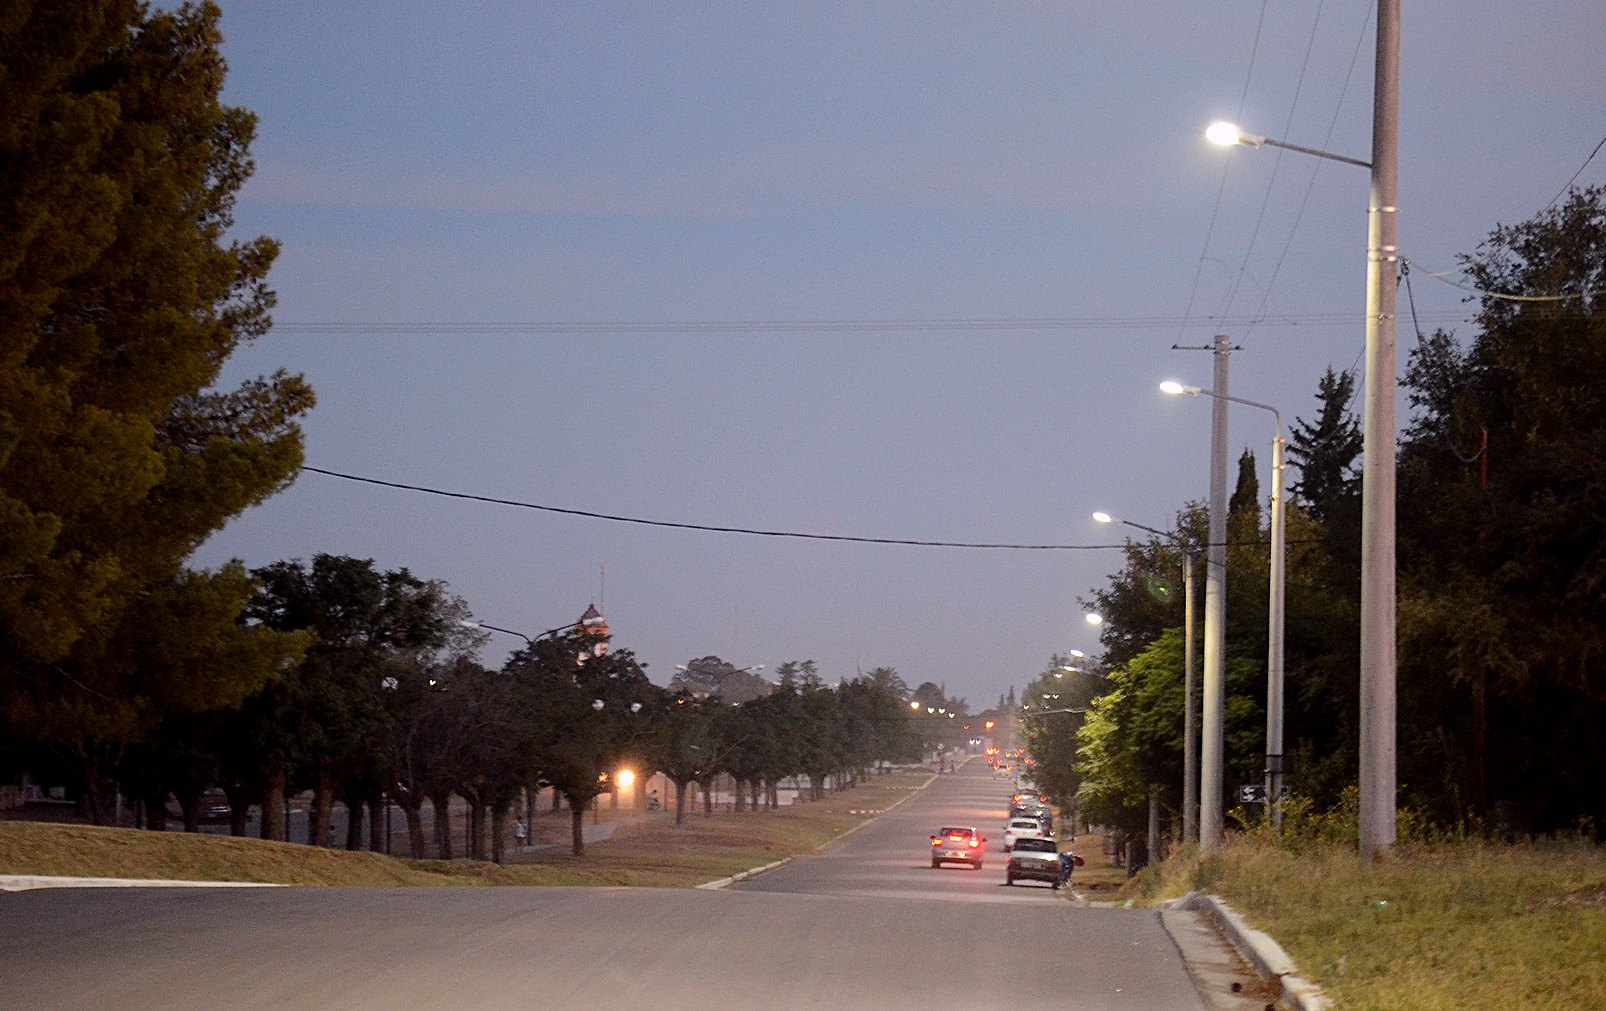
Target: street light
{"x": 1229, "y": 135}
{"x": 529, "y": 640}
{"x": 1275, "y": 596}
{"x": 1378, "y": 823}
{"x": 1190, "y": 733}
{"x": 1094, "y": 618}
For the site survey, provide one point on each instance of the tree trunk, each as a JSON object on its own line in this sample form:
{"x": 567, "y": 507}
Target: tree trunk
{"x": 353, "y": 824}
{"x": 323, "y": 800}
{"x": 413, "y": 812}
{"x": 755, "y": 786}
{"x": 498, "y": 827}
{"x": 441, "y": 803}
{"x": 708, "y": 797}
{"x": 156, "y": 813}
{"x": 529, "y": 810}
{"x": 741, "y": 798}
{"x": 680, "y": 800}
{"x": 557, "y": 800}
{"x": 377, "y": 825}
{"x": 577, "y": 818}
{"x": 273, "y": 823}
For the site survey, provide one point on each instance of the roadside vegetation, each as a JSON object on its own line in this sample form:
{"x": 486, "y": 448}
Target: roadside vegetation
{"x": 1443, "y": 923}
{"x": 651, "y": 853}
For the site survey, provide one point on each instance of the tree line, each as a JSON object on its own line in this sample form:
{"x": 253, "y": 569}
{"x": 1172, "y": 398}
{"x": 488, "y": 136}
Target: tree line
{"x": 1501, "y": 575}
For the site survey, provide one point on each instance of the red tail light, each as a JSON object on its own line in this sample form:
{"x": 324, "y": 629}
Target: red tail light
{"x": 975, "y": 843}
{"x": 936, "y": 841}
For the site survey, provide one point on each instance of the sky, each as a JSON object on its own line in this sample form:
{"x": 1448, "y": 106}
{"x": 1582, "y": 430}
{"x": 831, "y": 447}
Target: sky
{"x": 900, "y": 271}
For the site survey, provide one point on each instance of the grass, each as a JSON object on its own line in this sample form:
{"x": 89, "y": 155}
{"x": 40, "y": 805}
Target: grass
{"x": 1453, "y": 925}
{"x": 652, "y": 853}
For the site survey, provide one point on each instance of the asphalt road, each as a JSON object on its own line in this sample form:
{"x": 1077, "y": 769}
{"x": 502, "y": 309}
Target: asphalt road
{"x": 864, "y": 924}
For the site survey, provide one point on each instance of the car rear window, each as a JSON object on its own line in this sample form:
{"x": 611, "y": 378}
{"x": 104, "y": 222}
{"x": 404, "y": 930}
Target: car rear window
{"x": 1023, "y": 823}
{"x": 1037, "y": 845}
{"x": 955, "y": 831}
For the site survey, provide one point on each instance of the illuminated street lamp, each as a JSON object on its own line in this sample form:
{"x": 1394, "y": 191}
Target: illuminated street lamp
{"x": 1275, "y": 596}
{"x": 1378, "y": 674}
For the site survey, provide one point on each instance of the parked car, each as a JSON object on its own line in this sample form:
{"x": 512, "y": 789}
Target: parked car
{"x": 213, "y": 806}
{"x": 957, "y": 844}
{"x": 1033, "y": 860}
{"x": 1021, "y": 828}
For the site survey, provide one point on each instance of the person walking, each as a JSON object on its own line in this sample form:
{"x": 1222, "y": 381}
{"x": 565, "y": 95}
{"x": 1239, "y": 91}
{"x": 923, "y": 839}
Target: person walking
{"x": 521, "y": 832}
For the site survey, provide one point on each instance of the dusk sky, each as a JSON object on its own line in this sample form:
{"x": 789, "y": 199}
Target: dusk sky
{"x": 905, "y": 271}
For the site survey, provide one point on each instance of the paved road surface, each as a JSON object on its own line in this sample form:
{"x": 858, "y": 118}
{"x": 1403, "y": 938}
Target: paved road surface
{"x": 865, "y": 925}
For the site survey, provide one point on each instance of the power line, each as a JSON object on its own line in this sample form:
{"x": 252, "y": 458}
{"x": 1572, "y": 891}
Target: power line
{"x": 706, "y": 527}
{"x": 466, "y": 328}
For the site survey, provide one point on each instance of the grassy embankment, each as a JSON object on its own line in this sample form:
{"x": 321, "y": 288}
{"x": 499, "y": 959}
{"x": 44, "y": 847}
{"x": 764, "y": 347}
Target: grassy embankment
{"x": 653, "y": 853}
{"x": 1453, "y": 925}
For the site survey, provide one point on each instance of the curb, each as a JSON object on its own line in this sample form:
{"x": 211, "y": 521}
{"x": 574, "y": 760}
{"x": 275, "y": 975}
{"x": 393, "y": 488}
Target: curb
{"x": 715, "y": 886}
{"x": 1260, "y": 950}
{"x": 27, "y": 882}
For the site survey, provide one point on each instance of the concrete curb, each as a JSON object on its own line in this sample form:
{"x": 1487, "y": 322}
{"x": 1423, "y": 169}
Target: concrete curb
{"x": 1260, "y": 950}
{"x": 715, "y": 886}
{"x": 26, "y": 882}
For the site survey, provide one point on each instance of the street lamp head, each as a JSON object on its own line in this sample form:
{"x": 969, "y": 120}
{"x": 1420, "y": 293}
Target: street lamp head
{"x": 915, "y": 706}
{"x": 1078, "y": 654}
{"x": 1103, "y": 517}
{"x": 465, "y": 623}
{"x": 1094, "y": 618}
{"x": 1226, "y": 134}
{"x": 1174, "y": 388}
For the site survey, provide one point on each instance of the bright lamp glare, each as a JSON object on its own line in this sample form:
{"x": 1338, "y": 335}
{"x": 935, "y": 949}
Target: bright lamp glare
{"x": 1171, "y": 386}
{"x": 1094, "y": 618}
{"x": 1104, "y": 517}
{"x": 1223, "y": 133}
{"x": 625, "y": 777}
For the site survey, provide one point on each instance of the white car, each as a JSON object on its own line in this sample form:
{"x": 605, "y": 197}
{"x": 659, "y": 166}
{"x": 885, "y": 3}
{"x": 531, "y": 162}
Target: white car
{"x": 1021, "y": 828}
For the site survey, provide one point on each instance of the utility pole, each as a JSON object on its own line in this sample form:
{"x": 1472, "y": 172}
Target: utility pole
{"x": 1378, "y": 659}
{"x": 1212, "y": 764}
{"x": 1190, "y": 709}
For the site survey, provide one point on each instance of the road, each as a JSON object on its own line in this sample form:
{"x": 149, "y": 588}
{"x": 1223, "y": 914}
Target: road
{"x": 864, "y": 924}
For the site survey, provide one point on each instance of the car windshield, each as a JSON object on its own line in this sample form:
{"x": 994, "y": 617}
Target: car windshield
{"x": 1037, "y": 846}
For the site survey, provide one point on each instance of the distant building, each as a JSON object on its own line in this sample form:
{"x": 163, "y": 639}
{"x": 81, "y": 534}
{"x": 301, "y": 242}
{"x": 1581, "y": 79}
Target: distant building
{"x": 592, "y": 623}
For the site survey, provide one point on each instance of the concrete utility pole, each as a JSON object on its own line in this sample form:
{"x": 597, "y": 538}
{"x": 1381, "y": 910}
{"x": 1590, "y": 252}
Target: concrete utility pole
{"x": 1190, "y": 710}
{"x": 1377, "y": 781}
{"x": 1212, "y": 763}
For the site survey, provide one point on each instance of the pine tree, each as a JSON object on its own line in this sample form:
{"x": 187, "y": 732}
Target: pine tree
{"x": 121, "y": 297}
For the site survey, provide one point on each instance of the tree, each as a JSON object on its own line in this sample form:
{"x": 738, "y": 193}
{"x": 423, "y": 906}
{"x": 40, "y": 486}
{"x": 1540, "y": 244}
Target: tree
{"x": 121, "y": 297}
{"x": 1326, "y": 451}
{"x": 598, "y": 711}
{"x": 1503, "y": 535}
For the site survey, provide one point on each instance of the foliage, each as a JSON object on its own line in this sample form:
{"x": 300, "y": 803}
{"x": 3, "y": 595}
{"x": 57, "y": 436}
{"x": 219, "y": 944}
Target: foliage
{"x": 120, "y": 300}
{"x": 1503, "y": 543}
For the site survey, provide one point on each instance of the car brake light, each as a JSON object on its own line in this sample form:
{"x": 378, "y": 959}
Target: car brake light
{"x": 936, "y": 840}
{"x": 974, "y": 844}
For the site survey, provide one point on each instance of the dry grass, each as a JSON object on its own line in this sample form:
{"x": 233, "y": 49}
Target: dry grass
{"x": 1468, "y": 925}
{"x": 654, "y": 853}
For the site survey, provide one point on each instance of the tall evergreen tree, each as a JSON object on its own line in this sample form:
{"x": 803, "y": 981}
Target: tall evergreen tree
{"x": 1326, "y": 450}
{"x": 121, "y": 296}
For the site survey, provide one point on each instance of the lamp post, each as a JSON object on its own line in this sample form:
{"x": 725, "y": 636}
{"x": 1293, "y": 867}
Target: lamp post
{"x": 1378, "y": 823}
{"x": 1190, "y": 732}
{"x": 1275, "y": 596}
{"x": 528, "y": 640}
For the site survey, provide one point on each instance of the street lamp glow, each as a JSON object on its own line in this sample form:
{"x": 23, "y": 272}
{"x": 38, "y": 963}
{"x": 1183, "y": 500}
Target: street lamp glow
{"x": 1227, "y": 134}
{"x": 1103, "y": 517}
{"x": 625, "y": 778}
{"x": 915, "y": 706}
{"x": 1094, "y": 618}
{"x": 1173, "y": 388}
{"x": 1078, "y": 654}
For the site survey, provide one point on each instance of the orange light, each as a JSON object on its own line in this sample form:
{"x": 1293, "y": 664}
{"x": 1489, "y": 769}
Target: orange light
{"x": 975, "y": 843}
{"x": 935, "y": 841}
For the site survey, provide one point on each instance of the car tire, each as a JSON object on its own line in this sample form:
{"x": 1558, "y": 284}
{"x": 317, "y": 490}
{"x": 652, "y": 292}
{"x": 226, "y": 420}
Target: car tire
{"x": 936, "y": 864}
{"x": 1009, "y": 879}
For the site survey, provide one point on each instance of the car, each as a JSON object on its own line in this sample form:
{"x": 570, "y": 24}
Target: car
{"x": 213, "y": 806}
{"x": 959, "y": 844}
{"x": 1021, "y": 828}
{"x": 1033, "y": 860}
